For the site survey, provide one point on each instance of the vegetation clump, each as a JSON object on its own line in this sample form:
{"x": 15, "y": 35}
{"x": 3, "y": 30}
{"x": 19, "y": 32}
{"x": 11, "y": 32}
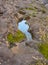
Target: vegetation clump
{"x": 43, "y": 48}
{"x": 17, "y": 37}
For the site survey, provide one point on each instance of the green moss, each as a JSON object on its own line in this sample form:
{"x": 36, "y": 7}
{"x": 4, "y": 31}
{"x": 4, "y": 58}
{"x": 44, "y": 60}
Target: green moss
{"x": 43, "y": 48}
{"x": 17, "y": 37}
{"x": 29, "y": 8}
{"x": 10, "y": 38}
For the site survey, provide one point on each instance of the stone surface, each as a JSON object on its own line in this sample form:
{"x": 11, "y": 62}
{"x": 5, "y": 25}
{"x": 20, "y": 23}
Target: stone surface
{"x": 11, "y": 12}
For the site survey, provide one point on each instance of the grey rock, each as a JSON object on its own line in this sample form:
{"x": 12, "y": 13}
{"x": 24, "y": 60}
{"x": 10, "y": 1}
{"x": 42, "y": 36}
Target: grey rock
{"x": 45, "y": 1}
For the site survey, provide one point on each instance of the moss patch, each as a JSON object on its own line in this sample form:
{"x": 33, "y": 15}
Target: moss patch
{"x": 43, "y": 48}
{"x": 29, "y": 8}
{"x": 10, "y": 38}
{"x": 17, "y": 37}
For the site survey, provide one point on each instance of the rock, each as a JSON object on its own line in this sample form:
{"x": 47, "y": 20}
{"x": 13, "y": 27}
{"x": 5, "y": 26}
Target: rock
{"x": 32, "y": 44}
{"x": 18, "y": 17}
{"x": 26, "y": 17}
{"x": 46, "y": 6}
{"x": 34, "y": 30}
{"x": 3, "y": 26}
{"x": 5, "y": 54}
{"x": 22, "y": 12}
{"x": 11, "y": 12}
{"x": 2, "y": 10}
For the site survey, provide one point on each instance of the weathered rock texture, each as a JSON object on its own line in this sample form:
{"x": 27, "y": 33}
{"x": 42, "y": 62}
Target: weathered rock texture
{"x": 11, "y": 12}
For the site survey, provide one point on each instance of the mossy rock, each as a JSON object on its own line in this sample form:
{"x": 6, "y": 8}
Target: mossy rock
{"x": 17, "y": 37}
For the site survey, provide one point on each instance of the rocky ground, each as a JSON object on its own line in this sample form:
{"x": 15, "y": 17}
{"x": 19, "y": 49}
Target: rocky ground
{"x": 11, "y": 11}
